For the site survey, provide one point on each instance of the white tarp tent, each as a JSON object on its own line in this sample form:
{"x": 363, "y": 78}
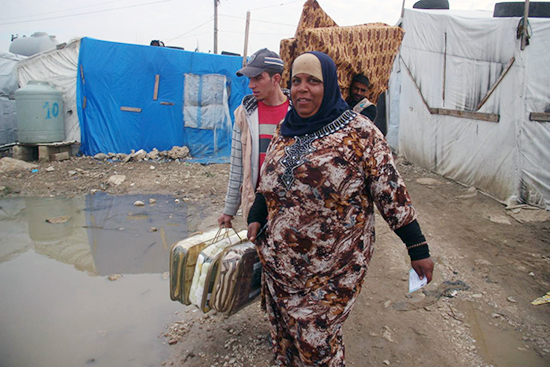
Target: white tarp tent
{"x": 59, "y": 67}
{"x": 8, "y": 73}
{"x": 467, "y": 103}
{"x": 8, "y": 86}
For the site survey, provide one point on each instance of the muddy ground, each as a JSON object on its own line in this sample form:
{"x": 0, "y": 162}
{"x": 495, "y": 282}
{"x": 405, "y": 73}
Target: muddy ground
{"x": 491, "y": 262}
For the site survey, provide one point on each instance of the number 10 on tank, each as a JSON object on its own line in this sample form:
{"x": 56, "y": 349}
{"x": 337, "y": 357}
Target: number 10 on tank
{"x": 54, "y": 110}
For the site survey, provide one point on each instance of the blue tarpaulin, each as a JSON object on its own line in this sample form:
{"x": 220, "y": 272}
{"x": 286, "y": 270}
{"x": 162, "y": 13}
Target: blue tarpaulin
{"x": 145, "y": 97}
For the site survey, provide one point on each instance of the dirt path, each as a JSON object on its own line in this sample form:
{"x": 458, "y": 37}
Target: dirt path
{"x": 490, "y": 264}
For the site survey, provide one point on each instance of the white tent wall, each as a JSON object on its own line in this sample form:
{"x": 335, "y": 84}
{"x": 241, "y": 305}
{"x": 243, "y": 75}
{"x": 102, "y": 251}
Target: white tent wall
{"x": 451, "y": 60}
{"x": 8, "y": 86}
{"x": 8, "y": 73}
{"x": 59, "y": 68}
{"x": 393, "y": 97}
{"x": 535, "y": 135}
{"x": 8, "y": 121}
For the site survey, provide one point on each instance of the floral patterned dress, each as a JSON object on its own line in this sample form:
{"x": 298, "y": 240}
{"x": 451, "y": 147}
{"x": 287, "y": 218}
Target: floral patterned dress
{"x": 320, "y": 191}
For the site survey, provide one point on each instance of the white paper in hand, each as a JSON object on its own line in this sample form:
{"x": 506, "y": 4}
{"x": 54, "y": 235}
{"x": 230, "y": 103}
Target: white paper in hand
{"x": 415, "y": 283}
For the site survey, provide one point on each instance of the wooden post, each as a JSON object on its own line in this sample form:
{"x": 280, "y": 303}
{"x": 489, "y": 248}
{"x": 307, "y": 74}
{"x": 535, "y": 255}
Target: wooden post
{"x": 246, "y": 32}
{"x": 415, "y": 84}
{"x": 525, "y": 25}
{"x": 216, "y": 26}
{"x": 539, "y": 116}
{"x": 444, "y": 67}
{"x": 502, "y": 75}
{"x": 156, "y": 90}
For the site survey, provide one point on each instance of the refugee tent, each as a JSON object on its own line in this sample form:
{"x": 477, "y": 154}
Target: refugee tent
{"x": 8, "y": 73}
{"x": 134, "y": 97}
{"x": 8, "y": 86}
{"x": 368, "y": 49}
{"x": 470, "y": 105}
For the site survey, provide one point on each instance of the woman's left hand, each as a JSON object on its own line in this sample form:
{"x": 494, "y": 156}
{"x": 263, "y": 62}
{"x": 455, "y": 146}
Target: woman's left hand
{"x": 423, "y": 268}
{"x": 253, "y": 229}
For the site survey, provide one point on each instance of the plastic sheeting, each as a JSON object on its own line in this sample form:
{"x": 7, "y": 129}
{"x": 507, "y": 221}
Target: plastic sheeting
{"x": 8, "y": 86}
{"x": 205, "y": 101}
{"x": 133, "y": 97}
{"x": 453, "y": 60}
{"x": 8, "y": 121}
{"x": 534, "y": 135}
{"x": 8, "y": 73}
{"x": 59, "y": 68}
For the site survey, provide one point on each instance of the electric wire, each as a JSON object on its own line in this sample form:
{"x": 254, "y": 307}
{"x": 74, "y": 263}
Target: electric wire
{"x": 86, "y": 13}
{"x": 60, "y": 11}
{"x": 257, "y": 20}
{"x": 183, "y": 34}
{"x": 274, "y": 6}
{"x": 253, "y": 33}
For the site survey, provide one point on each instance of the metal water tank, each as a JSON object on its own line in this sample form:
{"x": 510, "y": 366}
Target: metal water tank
{"x": 39, "y": 109}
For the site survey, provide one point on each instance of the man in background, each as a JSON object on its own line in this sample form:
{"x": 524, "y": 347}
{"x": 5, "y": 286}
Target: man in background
{"x": 357, "y": 99}
{"x": 359, "y": 102}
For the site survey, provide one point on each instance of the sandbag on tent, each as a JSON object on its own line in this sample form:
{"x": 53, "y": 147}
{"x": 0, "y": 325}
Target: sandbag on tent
{"x": 143, "y": 97}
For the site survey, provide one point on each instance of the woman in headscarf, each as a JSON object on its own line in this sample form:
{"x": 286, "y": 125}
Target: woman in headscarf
{"x": 324, "y": 171}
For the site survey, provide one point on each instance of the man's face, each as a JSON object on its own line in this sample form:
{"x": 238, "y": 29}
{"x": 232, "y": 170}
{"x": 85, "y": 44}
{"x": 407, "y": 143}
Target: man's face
{"x": 358, "y": 91}
{"x": 262, "y": 86}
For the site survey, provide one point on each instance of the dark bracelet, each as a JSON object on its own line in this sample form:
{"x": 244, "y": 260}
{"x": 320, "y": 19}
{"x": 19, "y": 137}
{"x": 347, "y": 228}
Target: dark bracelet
{"x": 417, "y": 245}
{"x": 411, "y": 234}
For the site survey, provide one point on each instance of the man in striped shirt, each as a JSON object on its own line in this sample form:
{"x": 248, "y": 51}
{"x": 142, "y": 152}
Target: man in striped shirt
{"x": 255, "y": 121}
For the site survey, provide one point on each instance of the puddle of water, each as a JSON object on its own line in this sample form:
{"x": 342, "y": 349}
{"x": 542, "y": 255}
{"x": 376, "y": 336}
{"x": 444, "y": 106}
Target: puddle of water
{"x": 496, "y": 346}
{"x": 57, "y": 306}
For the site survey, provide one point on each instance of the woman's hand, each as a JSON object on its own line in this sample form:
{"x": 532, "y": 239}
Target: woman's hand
{"x": 422, "y": 267}
{"x": 253, "y": 229}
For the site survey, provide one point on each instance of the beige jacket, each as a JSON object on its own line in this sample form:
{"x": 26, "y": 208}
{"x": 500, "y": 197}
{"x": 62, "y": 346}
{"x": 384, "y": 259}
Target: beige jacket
{"x": 245, "y": 157}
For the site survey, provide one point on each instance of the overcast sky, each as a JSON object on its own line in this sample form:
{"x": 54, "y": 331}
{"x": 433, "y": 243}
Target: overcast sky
{"x": 189, "y": 23}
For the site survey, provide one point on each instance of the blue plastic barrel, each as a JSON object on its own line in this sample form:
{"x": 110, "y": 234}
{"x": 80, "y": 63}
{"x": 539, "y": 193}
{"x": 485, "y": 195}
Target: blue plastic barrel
{"x": 39, "y": 109}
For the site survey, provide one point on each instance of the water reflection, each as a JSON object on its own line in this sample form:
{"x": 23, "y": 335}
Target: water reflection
{"x": 39, "y": 211}
{"x": 104, "y": 234}
{"x": 13, "y": 229}
{"x": 57, "y": 228}
{"x": 128, "y": 239}
{"x": 57, "y": 308}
